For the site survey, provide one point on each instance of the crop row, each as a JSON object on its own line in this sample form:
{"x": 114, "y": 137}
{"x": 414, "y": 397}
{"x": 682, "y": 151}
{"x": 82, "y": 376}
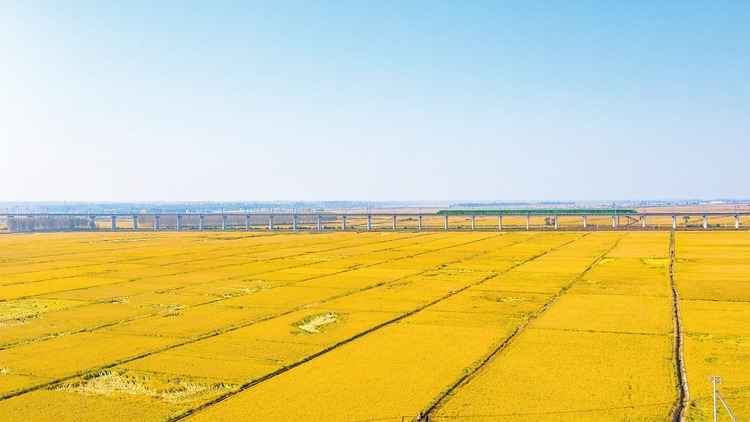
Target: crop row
{"x": 713, "y": 276}
{"x": 82, "y": 352}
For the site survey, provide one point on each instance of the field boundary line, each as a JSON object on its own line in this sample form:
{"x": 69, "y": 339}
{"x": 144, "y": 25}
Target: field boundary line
{"x": 290, "y": 283}
{"x": 125, "y": 320}
{"x": 572, "y": 330}
{"x": 128, "y": 260}
{"x": 479, "y": 366}
{"x": 280, "y": 371}
{"x": 683, "y": 396}
{"x": 135, "y": 247}
{"x": 510, "y": 415}
{"x": 121, "y": 261}
{"x": 193, "y": 271}
{"x": 271, "y": 236}
{"x": 217, "y": 332}
{"x": 559, "y": 412}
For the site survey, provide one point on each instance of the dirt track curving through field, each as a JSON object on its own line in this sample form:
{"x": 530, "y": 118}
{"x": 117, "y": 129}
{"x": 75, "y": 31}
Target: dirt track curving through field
{"x": 683, "y": 396}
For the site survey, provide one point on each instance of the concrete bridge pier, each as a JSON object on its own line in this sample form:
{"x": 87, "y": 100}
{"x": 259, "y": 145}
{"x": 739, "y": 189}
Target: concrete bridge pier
{"x": 135, "y": 222}
{"x": 294, "y": 222}
{"x": 584, "y": 221}
{"x": 528, "y": 222}
{"x": 179, "y": 222}
{"x": 420, "y": 222}
{"x": 92, "y": 223}
{"x": 343, "y": 222}
{"x": 643, "y": 221}
{"x": 369, "y": 222}
{"x": 223, "y": 222}
{"x": 705, "y": 221}
{"x": 200, "y": 222}
{"x": 114, "y": 222}
{"x": 446, "y": 222}
{"x": 247, "y": 222}
{"x": 674, "y": 221}
{"x": 320, "y": 223}
{"x": 736, "y": 221}
{"x": 270, "y": 222}
{"x": 614, "y": 221}
{"x": 394, "y": 221}
{"x": 555, "y": 222}
{"x": 473, "y": 226}
{"x": 156, "y": 222}
{"x": 500, "y": 222}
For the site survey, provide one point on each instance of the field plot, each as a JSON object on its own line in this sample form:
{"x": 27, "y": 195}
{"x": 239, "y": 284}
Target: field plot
{"x": 713, "y": 275}
{"x": 450, "y": 338}
{"x": 202, "y": 288}
{"x": 602, "y": 351}
{"x": 345, "y": 326}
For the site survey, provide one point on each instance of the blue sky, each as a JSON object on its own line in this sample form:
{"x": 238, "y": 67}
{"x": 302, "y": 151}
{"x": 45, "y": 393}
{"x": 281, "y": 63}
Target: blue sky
{"x": 365, "y": 100}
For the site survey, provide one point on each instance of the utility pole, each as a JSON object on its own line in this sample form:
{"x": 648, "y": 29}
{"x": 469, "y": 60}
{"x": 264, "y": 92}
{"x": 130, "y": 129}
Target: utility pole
{"x": 715, "y": 380}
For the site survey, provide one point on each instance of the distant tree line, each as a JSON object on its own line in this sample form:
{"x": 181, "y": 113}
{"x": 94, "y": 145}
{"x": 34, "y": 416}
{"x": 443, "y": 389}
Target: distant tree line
{"x": 51, "y": 223}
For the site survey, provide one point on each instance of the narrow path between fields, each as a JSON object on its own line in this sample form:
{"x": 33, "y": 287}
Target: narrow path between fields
{"x": 176, "y": 289}
{"x": 143, "y": 258}
{"x": 217, "y": 332}
{"x": 85, "y": 253}
{"x": 445, "y": 396}
{"x": 378, "y": 327}
{"x": 683, "y": 396}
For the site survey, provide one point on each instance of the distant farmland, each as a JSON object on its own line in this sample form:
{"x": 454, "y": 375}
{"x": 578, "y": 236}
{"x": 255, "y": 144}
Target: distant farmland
{"x": 373, "y": 326}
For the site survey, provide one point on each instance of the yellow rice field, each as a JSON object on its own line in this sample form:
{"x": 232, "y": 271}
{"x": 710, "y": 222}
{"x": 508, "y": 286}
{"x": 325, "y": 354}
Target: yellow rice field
{"x": 357, "y": 326}
{"x": 713, "y": 275}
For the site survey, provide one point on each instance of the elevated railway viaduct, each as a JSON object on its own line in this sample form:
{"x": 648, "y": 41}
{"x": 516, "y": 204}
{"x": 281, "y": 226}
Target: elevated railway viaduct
{"x": 621, "y": 219}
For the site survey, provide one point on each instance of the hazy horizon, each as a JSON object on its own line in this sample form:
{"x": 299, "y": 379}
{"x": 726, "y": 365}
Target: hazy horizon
{"x": 389, "y": 101}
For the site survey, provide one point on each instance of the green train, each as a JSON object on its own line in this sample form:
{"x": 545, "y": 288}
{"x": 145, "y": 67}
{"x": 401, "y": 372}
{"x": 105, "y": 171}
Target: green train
{"x": 542, "y": 211}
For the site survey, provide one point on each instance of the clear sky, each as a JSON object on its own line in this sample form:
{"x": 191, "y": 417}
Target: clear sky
{"x": 374, "y": 100}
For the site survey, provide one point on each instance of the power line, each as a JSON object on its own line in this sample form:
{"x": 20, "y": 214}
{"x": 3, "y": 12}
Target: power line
{"x": 717, "y": 380}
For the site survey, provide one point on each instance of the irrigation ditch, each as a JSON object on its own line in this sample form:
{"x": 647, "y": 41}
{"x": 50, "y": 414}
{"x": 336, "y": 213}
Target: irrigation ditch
{"x": 683, "y": 394}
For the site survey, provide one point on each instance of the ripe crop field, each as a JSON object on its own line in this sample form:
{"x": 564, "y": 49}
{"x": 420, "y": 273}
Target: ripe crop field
{"x": 355, "y": 326}
{"x": 713, "y": 276}
{"x": 602, "y": 351}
